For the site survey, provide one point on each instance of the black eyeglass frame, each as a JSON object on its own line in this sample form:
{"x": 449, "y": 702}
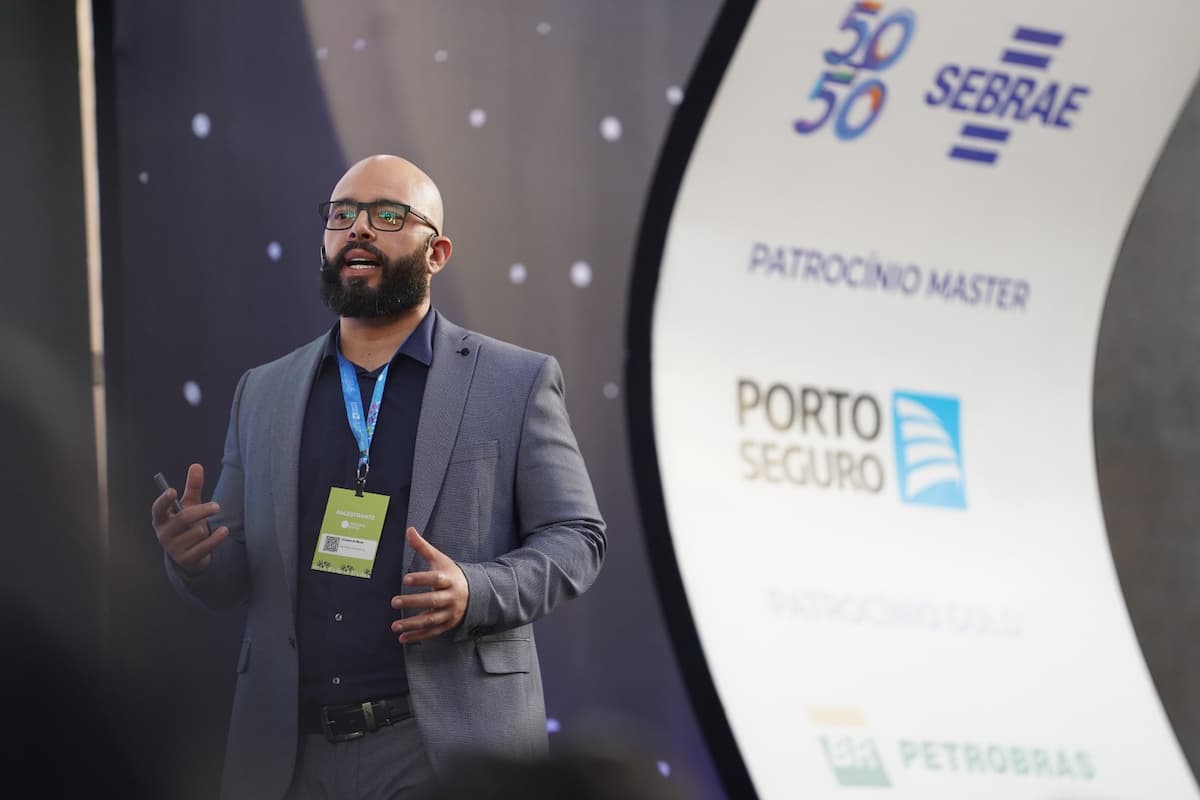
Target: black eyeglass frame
{"x": 369, "y": 207}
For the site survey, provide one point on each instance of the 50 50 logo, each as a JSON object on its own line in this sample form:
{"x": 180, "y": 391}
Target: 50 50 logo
{"x": 851, "y": 94}
{"x": 828, "y": 438}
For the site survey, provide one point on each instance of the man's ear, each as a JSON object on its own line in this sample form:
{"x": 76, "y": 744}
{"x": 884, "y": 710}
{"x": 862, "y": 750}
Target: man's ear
{"x": 441, "y": 248}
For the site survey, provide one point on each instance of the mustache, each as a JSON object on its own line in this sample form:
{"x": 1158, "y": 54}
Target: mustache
{"x": 340, "y": 259}
{"x": 332, "y": 267}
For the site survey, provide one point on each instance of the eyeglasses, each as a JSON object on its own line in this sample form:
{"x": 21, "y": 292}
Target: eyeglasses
{"x": 382, "y": 215}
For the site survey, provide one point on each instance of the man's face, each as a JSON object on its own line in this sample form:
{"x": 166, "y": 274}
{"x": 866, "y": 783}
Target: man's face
{"x": 372, "y": 273}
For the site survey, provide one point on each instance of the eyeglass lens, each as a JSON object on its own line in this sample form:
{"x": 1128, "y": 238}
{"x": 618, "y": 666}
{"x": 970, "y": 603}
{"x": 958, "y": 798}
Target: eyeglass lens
{"x": 382, "y": 216}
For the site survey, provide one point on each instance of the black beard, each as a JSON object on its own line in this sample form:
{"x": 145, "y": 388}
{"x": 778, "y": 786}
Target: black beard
{"x": 403, "y": 284}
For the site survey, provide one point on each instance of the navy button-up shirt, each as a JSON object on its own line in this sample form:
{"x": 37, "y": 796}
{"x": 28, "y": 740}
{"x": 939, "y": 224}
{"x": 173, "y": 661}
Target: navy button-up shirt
{"x": 347, "y": 650}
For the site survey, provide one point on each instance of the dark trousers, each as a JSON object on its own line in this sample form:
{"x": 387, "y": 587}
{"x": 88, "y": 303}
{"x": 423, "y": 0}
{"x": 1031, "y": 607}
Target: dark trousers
{"x": 389, "y": 764}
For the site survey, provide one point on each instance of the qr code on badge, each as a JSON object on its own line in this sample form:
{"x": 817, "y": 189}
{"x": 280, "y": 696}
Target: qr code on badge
{"x": 331, "y": 544}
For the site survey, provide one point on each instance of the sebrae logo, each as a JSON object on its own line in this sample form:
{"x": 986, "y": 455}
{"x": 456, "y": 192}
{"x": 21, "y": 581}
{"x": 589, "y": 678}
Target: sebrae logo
{"x": 929, "y": 463}
{"x": 997, "y": 100}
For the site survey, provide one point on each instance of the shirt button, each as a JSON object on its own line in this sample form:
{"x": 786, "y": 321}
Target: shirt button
{"x": 337, "y": 617}
{"x": 336, "y": 681}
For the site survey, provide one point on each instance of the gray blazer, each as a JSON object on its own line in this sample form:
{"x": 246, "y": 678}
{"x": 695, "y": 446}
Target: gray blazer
{"x": 498, "y": 485}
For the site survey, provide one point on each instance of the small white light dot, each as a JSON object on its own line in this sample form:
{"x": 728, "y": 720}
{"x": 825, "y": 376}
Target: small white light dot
{"x": 664, "y": 769}
{"x": 201, "y": 125}
{"x": 440, "y": 56}
{"x": 610, "y": 129}
{"x": 477, "y": 117}
{"x": 552, "y": 725}
{"x": 360, "y": 45}
{"x": 517, "y": 273}
{"x": 543, "y": 28}
{"x": 674, "y": 95}
{"x": 345, "y": 524}
{"x": 612, "y": 391}
{"x": 322, "y": 53}
{"x": 274, "y": 251}
{"x": 191, "y": 393}
{"x": 143, "y": 177}
{"x": 581, "y": 273}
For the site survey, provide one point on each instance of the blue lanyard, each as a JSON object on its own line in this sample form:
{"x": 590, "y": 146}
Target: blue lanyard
{"x": 363, "y": 428}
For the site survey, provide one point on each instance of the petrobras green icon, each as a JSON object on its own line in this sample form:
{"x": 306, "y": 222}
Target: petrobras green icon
{"x": 855, "y": 761}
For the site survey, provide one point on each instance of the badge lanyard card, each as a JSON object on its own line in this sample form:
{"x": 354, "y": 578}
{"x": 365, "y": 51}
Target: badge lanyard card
{"x": 353, "y": 522}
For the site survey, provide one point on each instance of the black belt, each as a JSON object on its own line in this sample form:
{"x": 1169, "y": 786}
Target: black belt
{"x": 342, "y": 723}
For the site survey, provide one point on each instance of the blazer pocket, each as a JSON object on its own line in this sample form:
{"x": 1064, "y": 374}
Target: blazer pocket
{"x": 504, "y": 656}
{"x": 244, "y": 657}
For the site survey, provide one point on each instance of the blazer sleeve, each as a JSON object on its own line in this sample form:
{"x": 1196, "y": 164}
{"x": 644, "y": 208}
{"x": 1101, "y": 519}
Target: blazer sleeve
{"x": 225, "y": 583}
{"x": 562, "y": 536}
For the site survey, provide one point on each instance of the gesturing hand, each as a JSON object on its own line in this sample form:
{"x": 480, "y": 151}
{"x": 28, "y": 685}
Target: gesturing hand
{"x": 445, "y": 602}
{"x": 185, "y": 535}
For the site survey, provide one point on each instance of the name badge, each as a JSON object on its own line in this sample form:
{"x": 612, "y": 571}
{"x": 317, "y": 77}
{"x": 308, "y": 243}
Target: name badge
{"x": 350, "y": 533}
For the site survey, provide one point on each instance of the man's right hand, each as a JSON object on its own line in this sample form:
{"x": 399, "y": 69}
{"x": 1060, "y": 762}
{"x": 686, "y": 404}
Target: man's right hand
{"x": 184, "y": 535}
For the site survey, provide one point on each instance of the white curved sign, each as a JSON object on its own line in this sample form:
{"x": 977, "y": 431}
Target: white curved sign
{"x": 872, "y": 347}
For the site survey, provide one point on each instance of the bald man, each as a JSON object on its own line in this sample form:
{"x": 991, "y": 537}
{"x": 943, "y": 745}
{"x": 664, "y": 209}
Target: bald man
{"x": 399, "y": 500}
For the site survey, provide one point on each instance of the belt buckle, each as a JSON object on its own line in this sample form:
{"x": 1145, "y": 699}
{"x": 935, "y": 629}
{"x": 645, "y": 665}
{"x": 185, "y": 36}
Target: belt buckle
{"x": 327, "y": 727}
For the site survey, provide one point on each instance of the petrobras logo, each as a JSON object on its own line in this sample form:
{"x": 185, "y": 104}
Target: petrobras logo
{"x": 1018, "y": 92}
{"x": 856, "y": 757}
{"x": 826, "y": 438}
{"x": 850, "y": 94}
{"x": 929, "y": 463}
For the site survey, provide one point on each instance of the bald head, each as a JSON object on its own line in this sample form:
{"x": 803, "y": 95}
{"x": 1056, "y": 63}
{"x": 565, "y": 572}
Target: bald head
{"x": 387, "y": 177}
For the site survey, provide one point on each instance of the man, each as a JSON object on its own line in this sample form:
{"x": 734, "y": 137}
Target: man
{"x": 399, "y": 500}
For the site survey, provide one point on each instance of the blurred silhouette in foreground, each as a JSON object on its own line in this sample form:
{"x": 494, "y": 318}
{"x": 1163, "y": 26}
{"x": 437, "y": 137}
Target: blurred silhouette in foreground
{"x": 60, "y": 736}
{"x": 576, "y": 775}
{"x": 612, "y": 762}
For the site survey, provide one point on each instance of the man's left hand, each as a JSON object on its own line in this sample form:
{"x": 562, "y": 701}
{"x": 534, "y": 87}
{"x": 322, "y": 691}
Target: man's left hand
{"x": 445, "y": 602}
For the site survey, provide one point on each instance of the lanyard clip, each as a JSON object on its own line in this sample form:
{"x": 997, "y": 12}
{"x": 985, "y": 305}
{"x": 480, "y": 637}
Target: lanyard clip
{"x": 360, "y": 481}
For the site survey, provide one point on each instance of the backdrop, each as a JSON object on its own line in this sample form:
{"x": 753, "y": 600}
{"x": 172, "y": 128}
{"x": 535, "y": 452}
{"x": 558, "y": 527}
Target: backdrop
{"x": 543, "y": 124}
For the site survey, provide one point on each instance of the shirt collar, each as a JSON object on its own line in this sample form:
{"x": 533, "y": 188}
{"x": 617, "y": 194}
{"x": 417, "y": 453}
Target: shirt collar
{"x": 418, "y": 346}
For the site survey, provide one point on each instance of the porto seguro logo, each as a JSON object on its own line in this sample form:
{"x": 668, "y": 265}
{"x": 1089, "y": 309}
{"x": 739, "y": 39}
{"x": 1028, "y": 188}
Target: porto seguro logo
{"x": 851, "y": 93}
{"x": 996, "y": 100}
{"x": 929, "y": 464}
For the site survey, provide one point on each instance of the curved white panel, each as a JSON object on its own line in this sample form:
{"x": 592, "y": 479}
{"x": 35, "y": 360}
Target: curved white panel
{"x": 872, "y": 352}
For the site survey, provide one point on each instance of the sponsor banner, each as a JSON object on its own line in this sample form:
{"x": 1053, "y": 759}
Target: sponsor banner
{"x": 859, "y": 756}
{"x": 872, "y": 347}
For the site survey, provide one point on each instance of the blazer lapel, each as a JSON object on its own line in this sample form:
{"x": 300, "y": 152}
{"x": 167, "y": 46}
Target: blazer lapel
{"x": 287, "y": 427}
{"x": 455, "y": 352}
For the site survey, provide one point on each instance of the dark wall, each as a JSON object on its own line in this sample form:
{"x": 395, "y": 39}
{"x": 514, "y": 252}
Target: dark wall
{"x": 1147, "y": 424}
{"x": 60, "y": 724}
